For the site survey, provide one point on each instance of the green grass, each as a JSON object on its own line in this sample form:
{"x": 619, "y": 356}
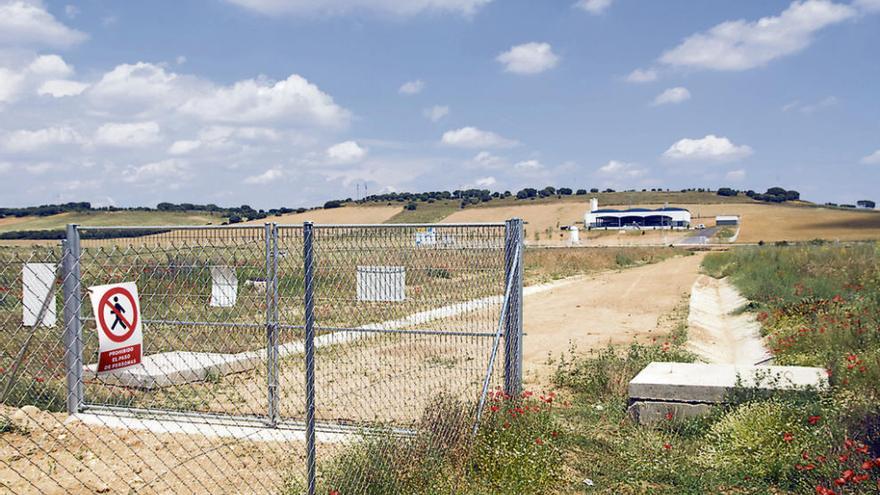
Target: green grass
{"x": 114, "y": 218}
{"x": 427, "y": 212}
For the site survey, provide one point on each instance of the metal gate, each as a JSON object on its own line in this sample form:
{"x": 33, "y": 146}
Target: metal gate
{"x": 322, "y": 329}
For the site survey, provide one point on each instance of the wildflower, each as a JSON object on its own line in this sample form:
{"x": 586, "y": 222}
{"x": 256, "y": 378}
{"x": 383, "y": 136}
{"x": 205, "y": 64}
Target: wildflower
{"x": 863, "y": 449}
{"x": 867, "y": 465}
{"x": 554, "y": 434}
{"x": 669, "y": 416}
{"x": 805, "y": 456}
{"x": 667, "y": 446}
{"x": 843, "y": 458}
{"x": 840, "y": 482}
{"x": 848, "y": 474}
{"x": 539, "y": 441}
{"x": 493, "y": 408}
{"x": 506, "y": 425}
{"x": 814, "y": 419}
{"x": 39, "y": 379}
{"x": 333, "y": 492}
{"x": 787, "y": 437}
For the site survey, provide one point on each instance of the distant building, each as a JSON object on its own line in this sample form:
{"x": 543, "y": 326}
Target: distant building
{"x": 639, "y": 218}
{"x": 721, "y": 220}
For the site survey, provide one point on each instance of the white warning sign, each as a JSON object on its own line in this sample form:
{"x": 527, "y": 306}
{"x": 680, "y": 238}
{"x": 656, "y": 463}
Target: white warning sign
{"x": 118, "y": 316}
{"x": 38, "y": 294}
{"x": 224, "y": 286}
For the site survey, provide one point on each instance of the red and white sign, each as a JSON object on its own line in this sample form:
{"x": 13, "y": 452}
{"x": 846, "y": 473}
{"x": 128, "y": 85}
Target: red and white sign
{"x": 118, "y": 315}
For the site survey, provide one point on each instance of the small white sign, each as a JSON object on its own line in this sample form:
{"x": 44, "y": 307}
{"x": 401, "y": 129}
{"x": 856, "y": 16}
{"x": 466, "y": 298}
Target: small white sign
{"x": 118, "y": 316}
{"x": 381, "y": 283}
{"x": 224, "y": 286}
{"x": 426, "y": 236}
{"x": 38, "y": 285}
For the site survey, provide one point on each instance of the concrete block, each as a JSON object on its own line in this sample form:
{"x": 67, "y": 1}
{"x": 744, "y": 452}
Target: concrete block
{"x": 651, "y": 413}
{"x": 711, "y": 383}
{"x": 175, "y": 368}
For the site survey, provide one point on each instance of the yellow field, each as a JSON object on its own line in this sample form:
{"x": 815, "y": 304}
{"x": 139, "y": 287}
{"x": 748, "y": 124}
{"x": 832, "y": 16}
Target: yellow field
{"x": 109, "y": 218}
{"x": 346, "y": 214}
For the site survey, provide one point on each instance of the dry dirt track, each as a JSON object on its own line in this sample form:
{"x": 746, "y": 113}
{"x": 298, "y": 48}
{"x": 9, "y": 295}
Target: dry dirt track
{"x": 625, "y": 306}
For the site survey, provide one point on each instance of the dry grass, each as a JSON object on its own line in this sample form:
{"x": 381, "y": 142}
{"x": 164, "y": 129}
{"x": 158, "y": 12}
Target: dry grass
{"x": 345, "y": 214}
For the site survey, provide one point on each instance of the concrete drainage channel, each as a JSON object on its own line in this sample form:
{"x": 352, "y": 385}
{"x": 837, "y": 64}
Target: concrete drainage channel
{"x": 729, "y": 342}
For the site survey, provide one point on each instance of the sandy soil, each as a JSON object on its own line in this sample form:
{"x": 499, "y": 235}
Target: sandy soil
{"x": 46, "y": 453}
{"x": 346, "y": 214}
{"x": 612, "y": 307}
{"x": 717, "y": 331}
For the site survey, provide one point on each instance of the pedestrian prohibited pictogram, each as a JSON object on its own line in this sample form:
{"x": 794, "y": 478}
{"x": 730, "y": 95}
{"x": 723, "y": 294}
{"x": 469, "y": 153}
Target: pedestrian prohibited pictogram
{"x": 117, "y": 313}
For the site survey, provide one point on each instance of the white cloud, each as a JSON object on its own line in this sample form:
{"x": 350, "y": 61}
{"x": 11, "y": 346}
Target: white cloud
{"x": 741, "y": 45}
{"x": 28, "y": 23}
{"x": 486, "y": 159}
{"x": 616, "y": 168}
{"x": 340, "y": 7}
{"x": 642, "y": 76}
{"x": 471, "y": 137}
{"x": 709, "y": 148}
{"x": 50, "y": 65}
{"x": 672, "y": 96}
{"x": 38, "y": 168}
{"x": 735, "y": 175}
{"x": 529, "y": 58}
{"x": 412, "y": 87}
{"x": 810, "y": 107}
{"x": 26, "y": 140}
{"x": 266, "y": 177}
{"x": 436, "y": 112}
{"x": 594, "y": 7}
{"x": 872, "y": 159}
{"x": 158, "y": 172}
{"x": 128, "y": 134}
{"x": 485, "y": 181}
{"x": 346, "y": 152}
{"x": 529, "y": 165}
{"x": 292, "y": 100}
{"x": 60, "y": 88}
{"x": 183, "y": 147}
{"x": 10, "y": 84}
{"x": 141, "y": 85}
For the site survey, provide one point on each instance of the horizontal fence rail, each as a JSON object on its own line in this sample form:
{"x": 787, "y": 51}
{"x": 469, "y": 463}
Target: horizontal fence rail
{"x": 268, "y": 351}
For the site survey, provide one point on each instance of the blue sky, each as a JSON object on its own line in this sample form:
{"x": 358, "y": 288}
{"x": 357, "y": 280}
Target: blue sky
{"x": 293, "y": 102}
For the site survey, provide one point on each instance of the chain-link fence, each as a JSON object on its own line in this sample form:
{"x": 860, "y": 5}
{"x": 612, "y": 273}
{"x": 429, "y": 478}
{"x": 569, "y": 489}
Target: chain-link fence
{"x": 268, "y": 352}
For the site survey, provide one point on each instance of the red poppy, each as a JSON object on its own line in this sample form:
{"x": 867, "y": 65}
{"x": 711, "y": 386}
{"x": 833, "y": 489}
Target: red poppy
{"x": 843, "y": 458}
{"x": 493, "y": 408}
{"x": 539, "y": 441}
{"x": 39, "y": 379}
{"x": 862, "y": 450}
{"x": 554, "y": 434}
{"x": 333, "y": 492}
{"x": 667, "y": 446}
{"x": 847, "y": 474}
{"x": 506, "y": 425}
{"x": 867, "y": 465}
{"x": 669, "y": 416}
{"x": 814, "y": 419}
{"x": 788, "y": 437}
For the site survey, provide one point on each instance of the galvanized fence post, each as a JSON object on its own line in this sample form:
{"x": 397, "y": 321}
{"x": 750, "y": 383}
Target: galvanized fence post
{"x": 309, "y": 300}
{"x": 72, "y": 293}
{"x": 270, "y": 233}
{"x": 513, "y": 240}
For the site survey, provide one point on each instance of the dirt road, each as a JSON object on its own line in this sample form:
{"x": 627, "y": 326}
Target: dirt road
{"x": 611, "y": 307}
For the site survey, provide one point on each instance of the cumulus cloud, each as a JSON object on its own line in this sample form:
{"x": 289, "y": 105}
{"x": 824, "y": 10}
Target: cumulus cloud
{"x": 11, "y": 83}
{"x": 488, "y": 160}
{"x": 346, "y": 152}
{"x": 709, "y": 148}
{"x": 485, "y": 181}
{"x": 158, "y": 172}
{"x": 740, "y": 45}
{"x": 436, "y": 112}
{"x": 16, "y": 79}
{"x": 872, "y": 159}
{"x": 59, "y": 88}
{"x": 341, "y": 7}
{"x": 128, "y": 134}
{"x": 642, "y": 76}
{"x": 412, "y": 87}
{"x": 594, "y": 7}
{"x": 616, "y": 168}
{"x": 471, "y": 137}
{"x": 27, "y": 140}
{"x": 260, "y": 100}
{"x": 266, "y": 177}
{"x": 28, "y": 23}
{"x": 528, "y": 58}
{"x": 672, "y": 96}
{"x": 184, "y": 146}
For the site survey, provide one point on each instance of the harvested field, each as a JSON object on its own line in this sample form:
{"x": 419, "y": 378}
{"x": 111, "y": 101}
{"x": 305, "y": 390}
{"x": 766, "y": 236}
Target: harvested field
{"x": 345, "y": 214}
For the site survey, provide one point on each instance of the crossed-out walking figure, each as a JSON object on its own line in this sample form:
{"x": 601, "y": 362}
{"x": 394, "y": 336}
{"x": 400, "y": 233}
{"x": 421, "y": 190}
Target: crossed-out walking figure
{"x": 119, "y": 310}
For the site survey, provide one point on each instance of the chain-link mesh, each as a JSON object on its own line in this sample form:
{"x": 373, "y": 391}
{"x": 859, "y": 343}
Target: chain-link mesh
{"x": 398, "y": 331}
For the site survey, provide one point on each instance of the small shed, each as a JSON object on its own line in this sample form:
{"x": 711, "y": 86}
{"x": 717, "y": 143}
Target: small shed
{"x": 722, "y": 220}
